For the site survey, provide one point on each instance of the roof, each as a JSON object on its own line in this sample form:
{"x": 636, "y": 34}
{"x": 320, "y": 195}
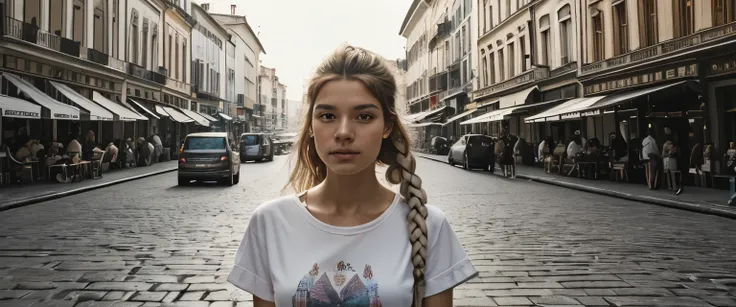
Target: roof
{"x": 412, "y": 8}
{"x": 245, "y": 22}
{"x": 208, "y": 134}
{"x": 207, "y": 14}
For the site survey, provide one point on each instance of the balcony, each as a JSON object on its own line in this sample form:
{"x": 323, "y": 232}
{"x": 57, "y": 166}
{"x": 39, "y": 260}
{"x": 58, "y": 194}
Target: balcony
{"x": 159, "y": 78}
{"x": 178, "y": 85}
{"x": 27, "y": 32}
{"x": 139, "y": 72}
{"x": 443, "y": 30}
{"x": 438, "y": 82}
{"x": 677, "y": 45}
{"x": 559, "y": 71}
{"x": 240, "y": 101}
{"x": 205, "y": 93}
{"x": 97, "y": 57}
{"x": 528, "y": 77}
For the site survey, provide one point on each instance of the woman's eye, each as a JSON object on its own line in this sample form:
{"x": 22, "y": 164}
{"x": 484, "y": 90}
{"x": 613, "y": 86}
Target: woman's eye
{"x": 365, "y": 117}
{"x": 327, "y": 116}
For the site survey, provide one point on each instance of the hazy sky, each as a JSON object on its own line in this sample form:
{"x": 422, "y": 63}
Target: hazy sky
{"x": 298, "y": 34}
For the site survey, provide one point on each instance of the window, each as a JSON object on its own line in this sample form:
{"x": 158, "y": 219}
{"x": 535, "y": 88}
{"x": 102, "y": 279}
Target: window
{"x": 133, "y": 57}
{"x": 447, "y": 54}
{"x": 544, "y": 41}
{"x": 170, "y": 55}
{"x": 492, "y": 67}
{"x": 566, "y": 36}
{"x": 724, "y": 12}
{"x": 684, "y": 17}
{"x": 648, "y": 22}
{"x": 204, "y": 143}
{"x": 99, "y": 30}
{"x": 522, "y": 53}
{"x": 115, "y": 11}
{"x": 598, "y": 43}
{"x": 56, "y": 21}
{"x": 154, "y": 47}
{"x": 184, "y": 60}
{"x": 144, "y": 41}
{"x": 78, "y": 17}
{"x": 501, "y": 63}
{"x": 483, "y": 17}
{"x": 485, "y": 70}
{"x": 175, "y": 51}
{"x": 512, "y": 60}
{"x": 620, "y": 28}
{"x": 508, "y": 9}
{"x": 32, "y": 9}
{"x": 466, "y": 41}
{"x": 490, "y": 17}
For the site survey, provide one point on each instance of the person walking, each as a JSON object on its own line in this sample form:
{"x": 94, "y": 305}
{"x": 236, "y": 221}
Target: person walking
{"x": 343, "y": 231}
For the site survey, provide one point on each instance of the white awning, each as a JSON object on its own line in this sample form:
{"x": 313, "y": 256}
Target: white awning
{"x": 57, "y": 109}
{"x": 491, "y": 116}
{"x": 225, "y": 116}
{"x": 149, "y": 112}
{"x": 124, "y": 114}
{"x": 570, "y": 106}
{"x": 207, "y": 117}
{"x": 419, "y": 125}
{"x": 96, "y": 112}
{"x": 199, "y": 119}
{"x": 459, "y": 116}
{"x": 177, "y": 115}
{"x": 625, "y": 96}
{"x": 160, "y": 110}
{"x": 516, "y": 99}
{"x": 19, "y": 108}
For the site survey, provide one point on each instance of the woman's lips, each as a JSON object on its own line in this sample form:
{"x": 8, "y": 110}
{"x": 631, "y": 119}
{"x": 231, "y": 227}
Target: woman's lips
{"x": 345, "y": 155}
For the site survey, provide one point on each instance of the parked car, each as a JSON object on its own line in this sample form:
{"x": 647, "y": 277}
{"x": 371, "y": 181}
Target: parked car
{"x": 473, "y": 151}
{"x": 256, "y": 147}
{"x": 208, "y": 156}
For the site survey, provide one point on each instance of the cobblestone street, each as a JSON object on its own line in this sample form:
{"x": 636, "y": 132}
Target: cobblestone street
{"x": 150, "y": 243}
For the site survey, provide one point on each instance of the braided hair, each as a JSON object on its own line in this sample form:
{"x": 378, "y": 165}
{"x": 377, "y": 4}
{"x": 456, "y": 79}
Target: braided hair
{"x": 354, "y": 63}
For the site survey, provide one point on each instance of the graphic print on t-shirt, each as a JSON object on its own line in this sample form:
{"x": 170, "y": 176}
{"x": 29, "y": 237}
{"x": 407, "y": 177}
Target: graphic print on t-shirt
{"x": 340, "y": 286}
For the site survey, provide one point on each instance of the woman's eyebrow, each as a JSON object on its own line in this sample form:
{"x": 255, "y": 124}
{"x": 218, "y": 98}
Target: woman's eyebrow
{"x": 358, "y": 107}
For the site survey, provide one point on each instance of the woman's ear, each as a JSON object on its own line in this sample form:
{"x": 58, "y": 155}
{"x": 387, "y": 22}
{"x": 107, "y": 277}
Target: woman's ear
{"x": 387, "y": 130}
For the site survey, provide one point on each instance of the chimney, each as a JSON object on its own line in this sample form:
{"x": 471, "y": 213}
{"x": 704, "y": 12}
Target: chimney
{"x": 232, "y": 9}
{"x": 206, "y": 7}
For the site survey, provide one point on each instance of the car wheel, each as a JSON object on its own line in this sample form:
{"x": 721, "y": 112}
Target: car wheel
{"x": 466, "y": 165}
{"x": 228, "y": 181}
{"x": 183, "y": 181}
{"x": 449, "y": 160}
{"x": 236, "y": 178}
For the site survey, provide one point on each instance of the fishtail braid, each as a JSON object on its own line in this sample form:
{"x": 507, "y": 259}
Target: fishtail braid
{"x": 411, "y": 189}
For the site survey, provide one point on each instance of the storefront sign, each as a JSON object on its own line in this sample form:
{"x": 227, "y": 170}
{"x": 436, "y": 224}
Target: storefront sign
{"x": 684, "y": 71}
{"x": 592, "y": 113}
{"x": 14, "y": 113}
{"x": 722, "y": 67}
{"x": 64, "y": 116}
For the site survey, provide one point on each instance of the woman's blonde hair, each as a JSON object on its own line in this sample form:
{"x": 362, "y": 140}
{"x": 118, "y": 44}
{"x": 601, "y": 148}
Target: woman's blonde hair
{"x": 358, "y": 64}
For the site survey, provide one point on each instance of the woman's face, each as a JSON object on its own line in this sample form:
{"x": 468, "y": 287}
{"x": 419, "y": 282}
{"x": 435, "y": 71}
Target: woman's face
{"x": 348, "y": 127}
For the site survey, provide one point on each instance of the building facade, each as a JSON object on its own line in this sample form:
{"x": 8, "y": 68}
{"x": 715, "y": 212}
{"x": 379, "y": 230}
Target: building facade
{"x": 248, "y": 49}
{"x": 272, "y": 103}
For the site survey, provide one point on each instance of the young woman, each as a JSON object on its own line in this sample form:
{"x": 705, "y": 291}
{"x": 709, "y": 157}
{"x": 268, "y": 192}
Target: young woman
{"x": 343, "y": 239}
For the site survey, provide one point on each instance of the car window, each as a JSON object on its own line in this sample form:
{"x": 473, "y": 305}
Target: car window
{"x": 205, "y": 143}
{"x": 249, "y": 140}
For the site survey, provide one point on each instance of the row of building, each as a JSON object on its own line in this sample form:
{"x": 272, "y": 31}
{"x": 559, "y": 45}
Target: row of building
{"x": 133, "y": 68}
{"x": 544, "y": 68}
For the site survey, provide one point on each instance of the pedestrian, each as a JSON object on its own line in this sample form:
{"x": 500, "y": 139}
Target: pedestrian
{"x": 343, "y": 231}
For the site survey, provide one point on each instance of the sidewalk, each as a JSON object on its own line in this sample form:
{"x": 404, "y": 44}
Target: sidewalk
{"x": 27, "y": 194}
{"x": 703, "y": 200}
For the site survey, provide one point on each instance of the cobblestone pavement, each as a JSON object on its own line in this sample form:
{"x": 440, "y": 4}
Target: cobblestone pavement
{"x": 150, "y": 243}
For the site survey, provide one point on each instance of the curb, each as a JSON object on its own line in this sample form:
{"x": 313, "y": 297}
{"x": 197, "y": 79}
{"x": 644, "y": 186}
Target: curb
{"x": 43, "y": 198}
{"x": 700, "y": 208}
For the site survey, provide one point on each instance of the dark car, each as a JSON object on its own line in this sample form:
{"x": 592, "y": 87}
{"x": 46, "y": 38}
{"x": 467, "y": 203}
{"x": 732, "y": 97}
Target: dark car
{"x": 256, "y": 147}
{"x": 473, "y": 151}
{"x": 209, "y": 156}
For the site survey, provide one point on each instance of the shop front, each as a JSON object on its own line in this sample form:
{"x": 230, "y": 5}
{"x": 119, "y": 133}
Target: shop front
{"x": 721, "y": 115}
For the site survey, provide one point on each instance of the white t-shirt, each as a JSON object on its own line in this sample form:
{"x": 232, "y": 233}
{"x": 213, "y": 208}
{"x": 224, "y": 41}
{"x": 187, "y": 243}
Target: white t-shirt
{"x": 289, "y": 257}
{"x": 649, "y": 146}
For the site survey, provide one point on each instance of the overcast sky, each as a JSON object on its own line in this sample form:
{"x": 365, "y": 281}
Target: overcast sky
{"x": 298, "y": 34}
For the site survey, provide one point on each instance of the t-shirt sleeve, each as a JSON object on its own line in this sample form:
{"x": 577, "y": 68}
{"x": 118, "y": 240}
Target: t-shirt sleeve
{"x": 251, "y": 271}
{"x": 447, "y": 263}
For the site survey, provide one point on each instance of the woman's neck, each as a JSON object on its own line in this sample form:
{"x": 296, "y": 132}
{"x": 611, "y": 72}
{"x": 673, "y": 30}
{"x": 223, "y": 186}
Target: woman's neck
{"x": 347, "y": 194}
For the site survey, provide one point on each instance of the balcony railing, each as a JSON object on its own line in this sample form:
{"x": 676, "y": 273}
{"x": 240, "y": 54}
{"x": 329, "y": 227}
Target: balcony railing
{"x": 530, "y": 76}
{"x": 572, "y": 66}
{"x": 24, "y": 31}
{"x": 661, "y": 49}
{"x": 438, "y": 82}
{"x": 116, "y": 63}
{"x": 139, "y": 72}
{"x": 97, "y": 57}
{"x": 159, "y": 78}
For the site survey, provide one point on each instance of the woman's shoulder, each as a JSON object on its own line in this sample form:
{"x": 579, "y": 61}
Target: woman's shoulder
{"x": 276, "y": 207}
{"x": 435, "y": 216}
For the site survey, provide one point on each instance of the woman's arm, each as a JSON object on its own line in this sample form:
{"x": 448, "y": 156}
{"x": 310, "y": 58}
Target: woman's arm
{"x": 442, "y": 299}
{"x": 258, "y": 302}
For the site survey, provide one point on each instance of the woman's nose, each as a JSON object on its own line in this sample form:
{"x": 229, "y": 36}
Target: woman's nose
{"x": 345, "y": 130}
